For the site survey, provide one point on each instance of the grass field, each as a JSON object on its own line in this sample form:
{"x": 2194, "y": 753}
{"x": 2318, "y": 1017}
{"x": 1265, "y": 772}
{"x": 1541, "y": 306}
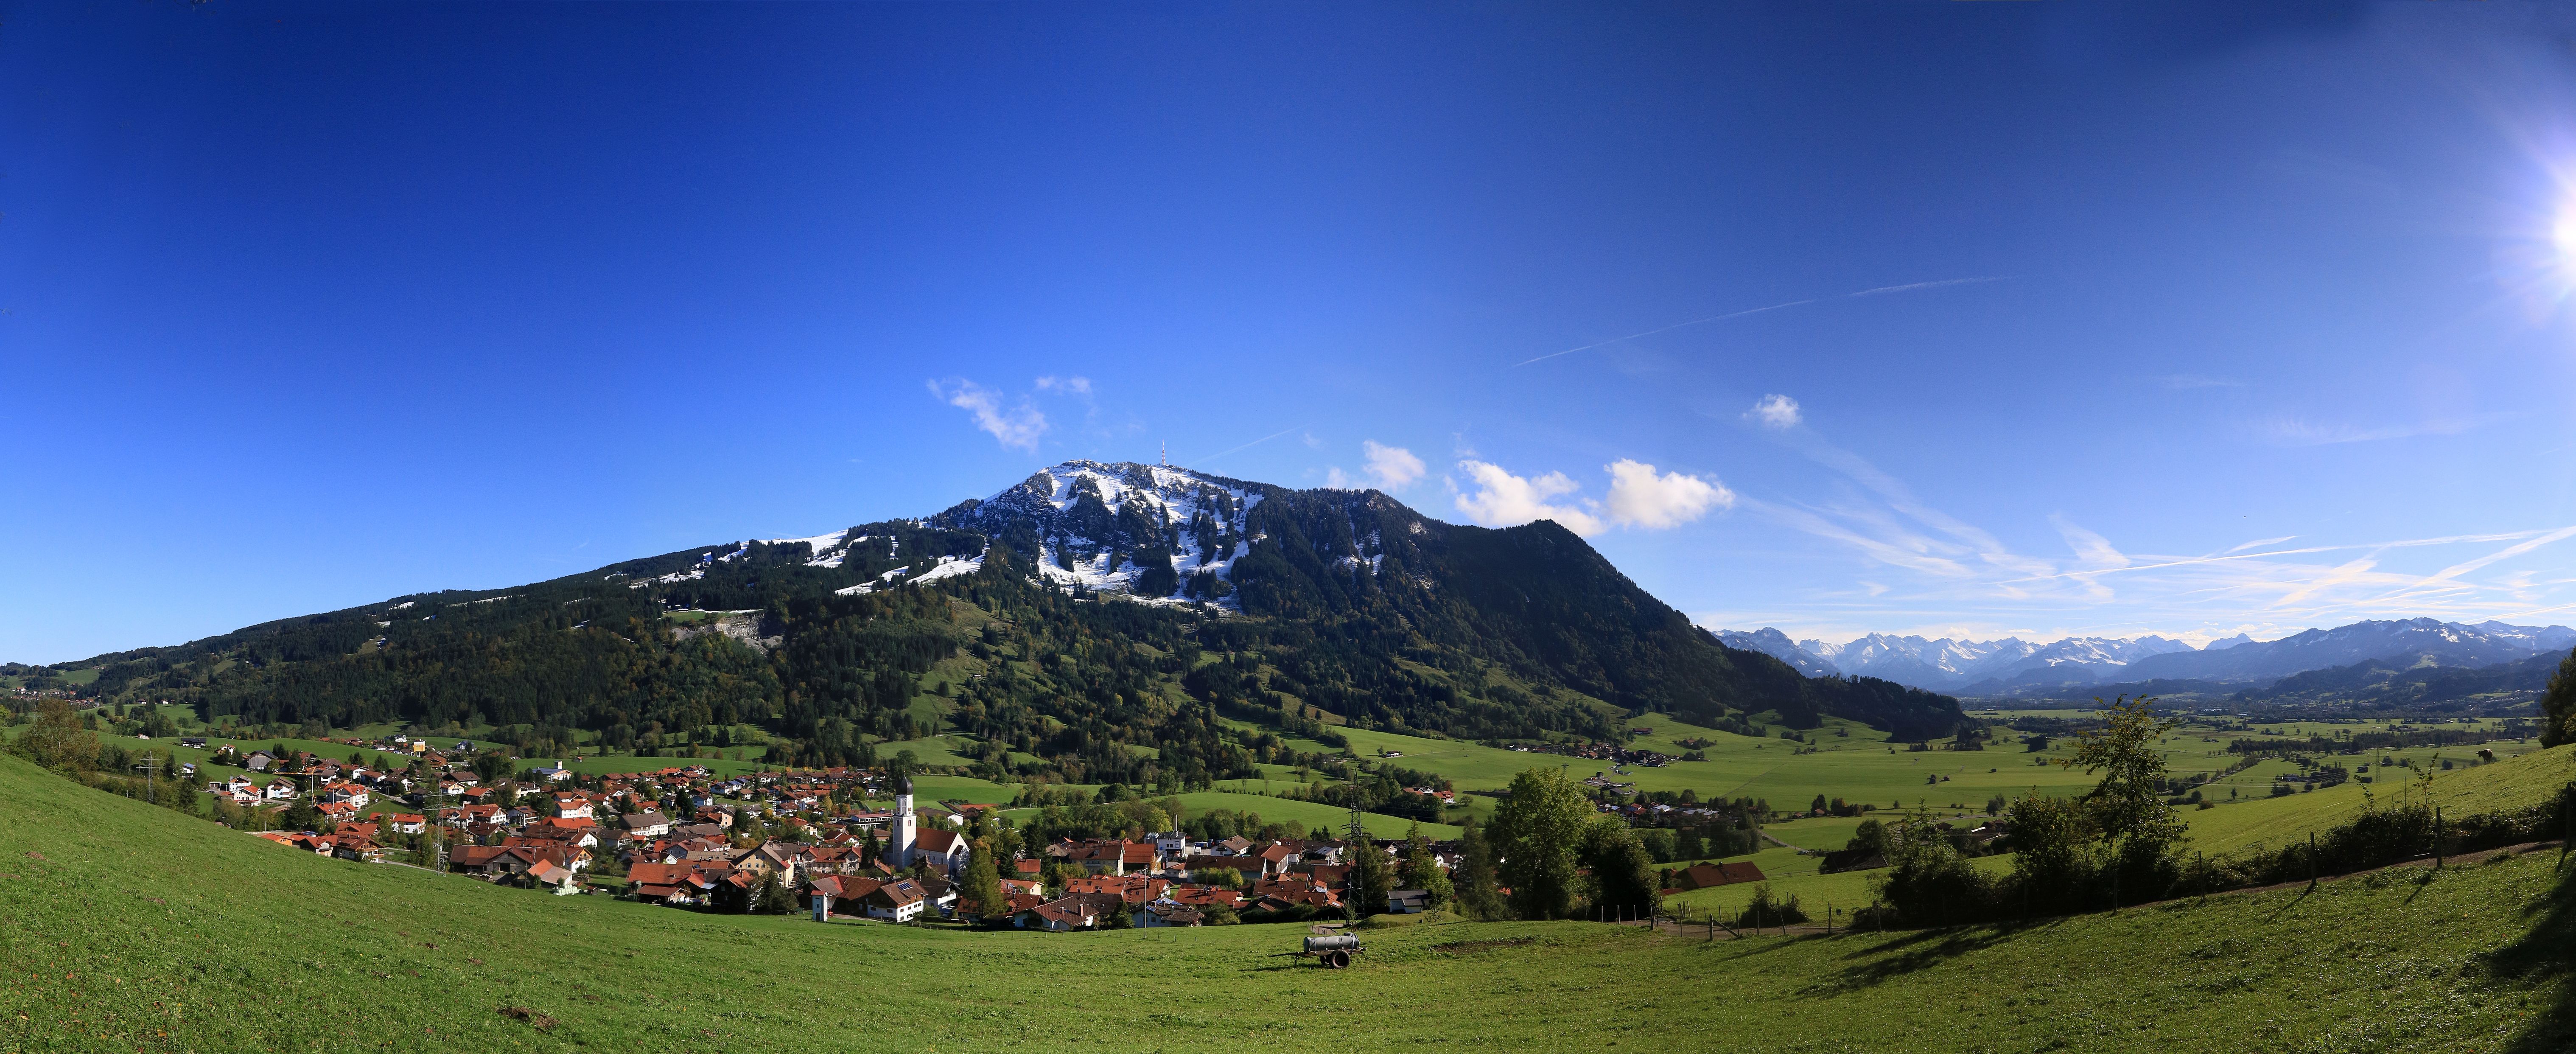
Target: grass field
{"x": 127, "y": 928}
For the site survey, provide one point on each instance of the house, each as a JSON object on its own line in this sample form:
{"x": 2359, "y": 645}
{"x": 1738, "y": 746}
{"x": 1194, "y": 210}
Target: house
{"x": 259, "y": 761}
{"x": 1251, "y": 868}
{"x": 1111, "y": 858}
{"x": 1167, "y": 914}
{"x": 1281, "y": 894}
{"x": 1703, "y": 876}
{"x": 572, "y": 806}
{"x": 1408, "y": 902}
{"x": 674, "y": 883}
{"x": 354, "y": 847}
{"x": 351, "y": 793}
{"x": 278, "y": 790}
{"x": 407, "y": 823}
{"x": 1204, "y": 897}
{"x": 311, "y": 843}
{"x": 898, "y": 901}
{"x": 823, "y": 893}
{"x": 647, "y": 825}
{"x": 1057, "y": 916}
{"x": 552, "y": 774}
{"x": 196, "y": 742}
{"x": 1235, "y": 846}
{"x": 549, "y": 874}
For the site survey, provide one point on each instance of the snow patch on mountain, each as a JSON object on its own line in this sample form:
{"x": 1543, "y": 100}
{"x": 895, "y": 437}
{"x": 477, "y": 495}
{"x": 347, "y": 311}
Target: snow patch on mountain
{"x": 1114, "y": 526}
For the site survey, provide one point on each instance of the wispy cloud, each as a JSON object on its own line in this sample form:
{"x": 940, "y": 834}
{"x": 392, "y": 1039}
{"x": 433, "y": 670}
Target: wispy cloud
{"x": 1879, "y": 291}
{"x": 2296, "y": 431}
{"x": 1918, "y": 565}
{"x": 1015, "y": 426}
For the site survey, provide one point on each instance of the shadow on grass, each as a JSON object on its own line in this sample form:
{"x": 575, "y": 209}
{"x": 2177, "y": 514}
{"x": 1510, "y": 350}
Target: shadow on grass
{"x": 1921, "y": 949}
{"x": 2544, "y": 958}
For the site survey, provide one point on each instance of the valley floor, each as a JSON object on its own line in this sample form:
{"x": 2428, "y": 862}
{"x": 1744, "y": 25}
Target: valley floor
{"x": 126, "y": 927}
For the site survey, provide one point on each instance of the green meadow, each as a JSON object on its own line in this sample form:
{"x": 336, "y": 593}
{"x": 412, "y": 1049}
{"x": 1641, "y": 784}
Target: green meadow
{"x": 127, "y": 927}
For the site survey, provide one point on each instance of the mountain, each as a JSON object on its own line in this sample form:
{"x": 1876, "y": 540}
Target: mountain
{"x": 2425, "y": 641}
{"x": 1777, "y": 645}
{"x": 2080, "y": 667}
{"x": 1944, "y": 664}
{"x": 1091, "y": 623}
{"x": 2418, "y": 685}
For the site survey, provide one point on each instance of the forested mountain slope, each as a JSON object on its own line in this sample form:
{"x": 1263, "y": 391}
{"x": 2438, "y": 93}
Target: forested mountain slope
{"x": 1077, "y": 618}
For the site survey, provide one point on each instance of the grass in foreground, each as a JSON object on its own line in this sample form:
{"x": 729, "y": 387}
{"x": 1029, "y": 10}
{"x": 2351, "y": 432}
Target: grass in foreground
{"x": 126, "y": 927}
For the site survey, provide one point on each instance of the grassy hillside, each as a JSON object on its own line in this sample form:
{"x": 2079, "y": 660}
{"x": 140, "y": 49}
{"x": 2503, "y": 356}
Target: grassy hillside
{"x": 128, "y": 927}
{"x": 2512, "y": 782}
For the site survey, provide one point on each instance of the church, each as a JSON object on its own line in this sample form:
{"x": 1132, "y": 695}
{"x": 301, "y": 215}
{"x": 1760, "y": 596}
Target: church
{"x": 944, "y": 850}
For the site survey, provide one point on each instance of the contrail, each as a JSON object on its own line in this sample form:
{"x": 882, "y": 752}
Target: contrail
{"x": 1244, "y": 447}
{"x": 1759, "y": 310}
{"x": 1666, "y": 329}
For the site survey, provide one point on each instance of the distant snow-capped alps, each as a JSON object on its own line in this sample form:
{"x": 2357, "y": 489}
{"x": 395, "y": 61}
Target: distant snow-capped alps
{"x": 1974, "y": 667}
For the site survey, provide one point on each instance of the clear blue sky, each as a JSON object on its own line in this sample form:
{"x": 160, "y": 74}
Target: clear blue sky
{"x": 310, "y": 305}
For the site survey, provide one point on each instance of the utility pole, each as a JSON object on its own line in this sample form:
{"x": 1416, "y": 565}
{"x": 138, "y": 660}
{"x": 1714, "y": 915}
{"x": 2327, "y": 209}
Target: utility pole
{"x": 1359, "y": 838}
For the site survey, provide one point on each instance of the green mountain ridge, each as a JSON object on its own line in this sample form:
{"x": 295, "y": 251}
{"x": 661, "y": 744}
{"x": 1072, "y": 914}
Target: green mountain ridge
{"x": 995, "y": 619}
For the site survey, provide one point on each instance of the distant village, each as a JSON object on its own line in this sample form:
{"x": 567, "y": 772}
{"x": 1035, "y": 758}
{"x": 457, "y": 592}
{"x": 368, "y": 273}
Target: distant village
{"x": 801, "y": 841}
{"x": 684, "y": 837}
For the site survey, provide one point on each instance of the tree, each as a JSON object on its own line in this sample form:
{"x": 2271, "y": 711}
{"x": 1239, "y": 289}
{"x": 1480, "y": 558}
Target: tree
{"x": 2128, "y": 806}
{"x": 1419, "y": 868}
{"x": 1474, "y": 882}
{"x": 1536, "y": 832}
{"x": 1622, "y": 882}
{"x": 57, "y": 741}
{"x": 2049, "y": 837}
{"x": 1370, "y": 878}
{"x": 984, "y": 883}
{"x": 2558, "y": 708}
{"x": 774, "y": 898}
{"x": 1119, "y": 916}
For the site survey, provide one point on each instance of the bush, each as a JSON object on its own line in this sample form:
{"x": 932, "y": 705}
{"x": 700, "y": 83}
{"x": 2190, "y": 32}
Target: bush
{"x": 1768, "y": 910}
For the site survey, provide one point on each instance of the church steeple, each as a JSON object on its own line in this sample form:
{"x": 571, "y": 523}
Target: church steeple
{"x": 905, "y": 823}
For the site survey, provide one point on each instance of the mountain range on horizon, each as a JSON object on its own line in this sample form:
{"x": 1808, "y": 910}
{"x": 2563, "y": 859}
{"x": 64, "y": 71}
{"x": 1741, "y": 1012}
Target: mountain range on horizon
{"x": 2009, "y": 665}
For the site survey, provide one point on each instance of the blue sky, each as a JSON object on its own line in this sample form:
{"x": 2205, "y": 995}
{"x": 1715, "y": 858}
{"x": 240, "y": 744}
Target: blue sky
{"x": 1941, "y": 318}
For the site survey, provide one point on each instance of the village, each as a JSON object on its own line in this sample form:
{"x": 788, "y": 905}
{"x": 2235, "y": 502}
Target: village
{"x": 778, "y": 842}
{"x": 825, "y": 843}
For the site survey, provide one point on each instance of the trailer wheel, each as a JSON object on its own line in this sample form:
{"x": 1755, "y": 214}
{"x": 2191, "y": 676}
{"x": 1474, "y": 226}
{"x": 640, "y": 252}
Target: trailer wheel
{"x": 1336, "y": 960}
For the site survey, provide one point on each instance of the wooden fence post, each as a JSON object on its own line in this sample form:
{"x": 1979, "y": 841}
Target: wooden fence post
{"x": 2312, "y": 858}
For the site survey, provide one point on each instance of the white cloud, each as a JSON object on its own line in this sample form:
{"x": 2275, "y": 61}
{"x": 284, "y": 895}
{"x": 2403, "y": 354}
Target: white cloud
{"x": 1774, "y": 411}
{"x": 1640, "y": 498}
{"x": 1392, "y": 466}
{"x": 1503, "y": 500}
{"x": 1337, "y": 479}
{"x": 1071, "y": 385}
{"x": 1017, "y": 427}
